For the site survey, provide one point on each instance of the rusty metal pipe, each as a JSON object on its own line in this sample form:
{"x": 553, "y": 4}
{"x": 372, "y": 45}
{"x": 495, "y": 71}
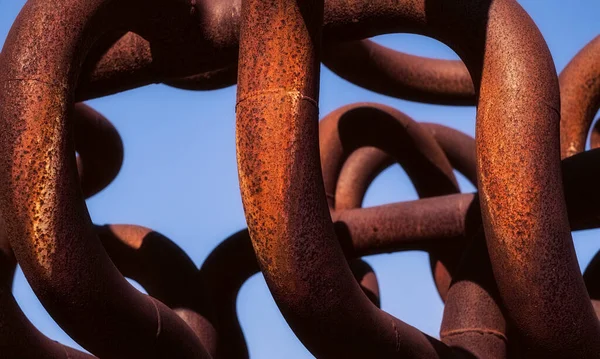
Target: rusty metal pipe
{"x": 524, "y": 211}
{"x": 224, "y": 272}
{"x": 365, "y": 124}
{"x": 473, "y": 320}
{"x": 99, "y": 147}
{"x": 295, "y": 244}
{"x": 413, "y": 225}
{"x": 421, "y": 224}
{"x": 400, "y": 75}
{"x": 47, "y": 221}
{"x": 165, "y": 271}
{"x": 579, "y": 98}
{"x": 365, "y": 164}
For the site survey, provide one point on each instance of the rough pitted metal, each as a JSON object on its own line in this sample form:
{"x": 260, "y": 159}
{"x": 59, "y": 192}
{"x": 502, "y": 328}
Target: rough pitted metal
{"x": 579, "y": 98}
{"x": 523, "y": 295}
{"x": 354, "y": 126}
{"x": 405, "y": 76}
{"x": 48, "y": 226}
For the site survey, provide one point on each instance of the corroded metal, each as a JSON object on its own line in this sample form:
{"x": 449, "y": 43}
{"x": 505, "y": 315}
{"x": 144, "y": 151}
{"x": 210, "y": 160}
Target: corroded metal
{"x": 502, "y": 258}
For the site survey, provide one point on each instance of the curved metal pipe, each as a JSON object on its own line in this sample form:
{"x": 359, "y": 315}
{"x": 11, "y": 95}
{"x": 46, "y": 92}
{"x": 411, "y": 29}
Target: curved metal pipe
{"x": 400, "y": 75}
{"x": 523, "y": 206}
{"x": 47, "y": 221}
{"x": 579, "y": 98}
{"x": 446, "y": 219}
{"x": 165, "y": 271}
{"x": 129, "y": 63}
{"x": 474, "y": 307}
{"x": 18, "y": 337}
{"x": 365, "y": 124}
{"x": 365, "y": 164}
{"x": 99, "y": 147}
{"x": 224, "y": 272}
{"x": 101, "y": 150}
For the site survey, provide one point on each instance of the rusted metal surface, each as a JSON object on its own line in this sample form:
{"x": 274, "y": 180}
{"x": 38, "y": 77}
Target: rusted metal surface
{"x": 503, "y": 258}
{"x": 401, "y": 75}
{"x": 579, "y": 98}
{"x": 414, "y": 147}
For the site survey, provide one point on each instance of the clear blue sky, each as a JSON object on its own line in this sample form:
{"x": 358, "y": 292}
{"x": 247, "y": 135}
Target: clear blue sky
{"x": 179, "y": 177}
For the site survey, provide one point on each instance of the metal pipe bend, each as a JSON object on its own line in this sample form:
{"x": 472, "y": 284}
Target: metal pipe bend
{"x": 354, "y": 126}
{"x": 47, "y": 221}
{"x": 524, "y": 211}
{"x": 579, "y": 98}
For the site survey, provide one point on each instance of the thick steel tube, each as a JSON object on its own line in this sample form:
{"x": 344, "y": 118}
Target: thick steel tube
{"x": 129, "y": 63}
{"x": 400, "y": 75}
{"x": 47, "y": 221}
{"x": 525, "y": 217}
{"x": 282, "y": 191}
{"x": 99, "y": 147}
{"x": 365, "y": 164}
{"x": 164, "y": 270}
{"x": 473, "y": 320}
{"x": 365, "y": 124}
{"x": 579, "y": 98}
{"x": 413, "y": 225}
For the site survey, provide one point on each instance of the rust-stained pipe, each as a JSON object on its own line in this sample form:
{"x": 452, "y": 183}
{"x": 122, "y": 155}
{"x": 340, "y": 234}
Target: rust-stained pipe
{"x": 163, "y": 269}
{"x": 591, "y": 276}
{"x": 101, "y": 151}
{"x": 473, "y": 321}
{"x": 365, "y": 164}
{"x": 579, "y": 97}
{"x": 47, "y": 221}
{"x": 18, "y": 337}
{"x": 99, "y": 147}
{"x": 224, "y": 272}
{"x": 285, "y": 204}
{"x": 366, "y": 124}
{"x": 130, "y": 63}
{"x": 413, "y": 225}
{"x": 392, "y": 73}
{"x": 524, "y": 211}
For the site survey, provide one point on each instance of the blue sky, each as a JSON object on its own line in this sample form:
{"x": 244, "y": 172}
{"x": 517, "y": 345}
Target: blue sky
{"x": 179, "y": 177}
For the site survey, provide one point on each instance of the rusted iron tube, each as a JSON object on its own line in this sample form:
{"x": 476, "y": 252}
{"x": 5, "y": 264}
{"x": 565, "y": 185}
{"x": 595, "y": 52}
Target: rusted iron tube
{"x": 282, "y": 191}
{"x": 518, "y": 165}
{"x": 579, "y": 97}
{"x": 222, "y": 275}
{"x": 473, "y": 320}
{"x": 366, "y": 124}
{"x": 400, "y": 75}
{"x": 165, "y": 271}
{"x": 421, "y": 224}
{"x": 128, "y": 63}
{"x": 365, "y": 164}
{"x": 47, "y": 221}
{"x": 18, "y": 337}
{"x": 99, "y": 147}
{"x": 435, "y": 222}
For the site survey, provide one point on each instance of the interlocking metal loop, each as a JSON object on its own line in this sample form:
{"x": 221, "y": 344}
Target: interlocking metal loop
{"x": 502, "y": 258}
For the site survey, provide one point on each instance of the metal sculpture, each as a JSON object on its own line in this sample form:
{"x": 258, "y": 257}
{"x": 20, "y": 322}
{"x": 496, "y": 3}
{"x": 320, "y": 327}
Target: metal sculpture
{"x": 503, "y": 259}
